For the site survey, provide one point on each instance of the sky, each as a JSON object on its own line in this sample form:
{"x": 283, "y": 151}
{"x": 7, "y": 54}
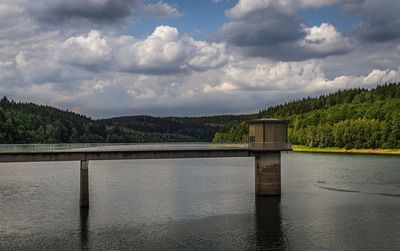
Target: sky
{"x": 106, "y": 58}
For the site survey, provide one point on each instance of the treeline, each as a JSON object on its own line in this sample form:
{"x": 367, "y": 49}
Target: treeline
{"x": 232, "y": 133}
{"x": 30, "y": 123}
{"x": 200, "y": 129}
{"x": 356, "y": 118}
{"x": 149, "y": 124}
{"x": 305, "y": 105}
{"x": 358, "y": 133}
{"x": 311, "y": 103}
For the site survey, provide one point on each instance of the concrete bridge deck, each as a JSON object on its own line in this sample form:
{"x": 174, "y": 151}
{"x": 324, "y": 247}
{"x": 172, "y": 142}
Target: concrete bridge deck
{"x": 76, "y": 155}
{"x": 76, "y": 152}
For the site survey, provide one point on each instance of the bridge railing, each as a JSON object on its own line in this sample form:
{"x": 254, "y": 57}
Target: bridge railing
{"x": 88, "y": 147}
{"x": 270, "y": 146}
{"x": 13, "y": 148}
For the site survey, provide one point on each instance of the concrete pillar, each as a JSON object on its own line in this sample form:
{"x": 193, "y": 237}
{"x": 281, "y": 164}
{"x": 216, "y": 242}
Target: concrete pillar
{"x": 268, "y": 173}
{"x": 84, "y": 184}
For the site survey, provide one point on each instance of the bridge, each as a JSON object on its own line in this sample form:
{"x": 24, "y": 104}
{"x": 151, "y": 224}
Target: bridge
{"x": 267, "y": 158}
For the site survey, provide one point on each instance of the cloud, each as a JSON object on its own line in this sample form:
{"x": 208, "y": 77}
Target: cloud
{"x": 162, "y": 50}
{"x": 266, "y": 55}
{"x": 261, "y": 23}
{"x": 165, "y": 51}
{"x": 324, "y": 40}
{"x": 289, "y": 79}
{"x": 317, "y": 3}
{"x": 85, "y": 50}
{"x": 247, "y": 8}
{"x": 8, "y": 75}
{"x": 13, "y": 23}
{"x": 207, "y": 55}
{"x": 262, "y": 75}
{"x": 161, "y": 9}
{"x": 236, "y": 85}
{"x": 37, "y": 68}
{"x": 379, "y": 19}
{"x": 102, "y": 11}
{"x": 95, "y": 13}
{"x": 318, "y": 42}
{"x": 33, "y": 69}
{"x": 272, "y": 29}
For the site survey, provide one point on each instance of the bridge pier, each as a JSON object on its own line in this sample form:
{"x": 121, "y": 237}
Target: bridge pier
{"x": 268, "y": 173}
{"x": 84, "y": 184}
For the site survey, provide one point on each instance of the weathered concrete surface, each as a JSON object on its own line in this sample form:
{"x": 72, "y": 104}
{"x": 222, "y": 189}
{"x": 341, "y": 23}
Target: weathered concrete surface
{"x": 114, "y": 155}
{"x": 84, "y": 184}
{"x": 268, "y": 173}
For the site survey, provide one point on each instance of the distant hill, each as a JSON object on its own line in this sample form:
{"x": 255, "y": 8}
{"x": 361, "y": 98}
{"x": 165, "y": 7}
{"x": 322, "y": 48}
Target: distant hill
{"x": 354, "y": 118}
{"x": 31, "y": 123}
{"x": 198, "y": 128}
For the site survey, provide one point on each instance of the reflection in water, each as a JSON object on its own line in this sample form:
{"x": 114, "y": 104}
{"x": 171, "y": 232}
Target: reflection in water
{"x": 268, "y": 223}
{"x": 202, "y": 204}
{"x": 84, "y": 233}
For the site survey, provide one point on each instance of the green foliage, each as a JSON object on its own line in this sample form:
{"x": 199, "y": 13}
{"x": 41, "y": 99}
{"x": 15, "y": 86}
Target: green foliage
{"x": 22, "y": 123}
{"x": 200, "y": 129}
{"x": 356, "y": 118}
{"x": 232, "y": 133}
{"x": 30, "y": 123}
{"x": 359, "y": 133}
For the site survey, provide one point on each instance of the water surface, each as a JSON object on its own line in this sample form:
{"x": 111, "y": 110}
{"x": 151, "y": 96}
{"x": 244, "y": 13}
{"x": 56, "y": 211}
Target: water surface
{"x": 329, "y": 201}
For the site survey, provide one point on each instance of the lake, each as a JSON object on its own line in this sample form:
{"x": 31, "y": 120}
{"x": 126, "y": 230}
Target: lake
{"x": 329, "y": 201}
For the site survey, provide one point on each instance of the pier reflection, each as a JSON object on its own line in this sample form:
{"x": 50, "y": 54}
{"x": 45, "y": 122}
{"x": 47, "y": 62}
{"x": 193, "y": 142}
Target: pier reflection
{"x": 269, "y": 234}
{"x": 84, "y": 231}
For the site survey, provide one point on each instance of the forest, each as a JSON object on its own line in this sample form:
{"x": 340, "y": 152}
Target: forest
{"x": 28, "y": 123}
{"x": 22, "y": 123}
{"x": 199, "y": 129}
{"x": 354, "y": 118}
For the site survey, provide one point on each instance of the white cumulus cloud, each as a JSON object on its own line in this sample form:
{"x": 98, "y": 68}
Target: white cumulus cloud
{"x": 166, "y": 51}
{"x": 85, "y": 50}
{"x": 325, "y": 39}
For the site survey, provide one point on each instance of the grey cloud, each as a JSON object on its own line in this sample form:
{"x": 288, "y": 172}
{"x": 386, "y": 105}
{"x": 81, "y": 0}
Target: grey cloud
{"x": 13, "y": 23}
{"x": 358, "y": 62}
{"x": 288, "y": 52}
{"x": 109, "y": 75}
{"x": 102, "y": 11}
{"x": 379, "y": 22}
{"x": 96, "y": 12}
{"x": 272, "y": 29}
{"x": 262, "y": 27}
{"x": 161, "y": 9}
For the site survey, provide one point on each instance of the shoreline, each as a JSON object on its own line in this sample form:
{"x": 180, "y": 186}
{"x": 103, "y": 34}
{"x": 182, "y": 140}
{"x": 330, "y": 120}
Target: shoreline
{"x": 300, "y": 148}
{"x": 306, "y": 149}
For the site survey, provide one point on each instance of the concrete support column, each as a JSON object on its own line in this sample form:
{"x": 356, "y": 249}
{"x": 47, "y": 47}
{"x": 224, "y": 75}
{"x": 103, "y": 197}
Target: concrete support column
{"x": 268, "y": 173}
{"x": 84, "y": 184}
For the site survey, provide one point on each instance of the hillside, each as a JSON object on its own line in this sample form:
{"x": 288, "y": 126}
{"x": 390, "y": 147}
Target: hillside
{"x": 30, "y": 123}
{"x": 201, "y": 129}
{"x": 22, "y": 123}
{"x": 355, "y": 118}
